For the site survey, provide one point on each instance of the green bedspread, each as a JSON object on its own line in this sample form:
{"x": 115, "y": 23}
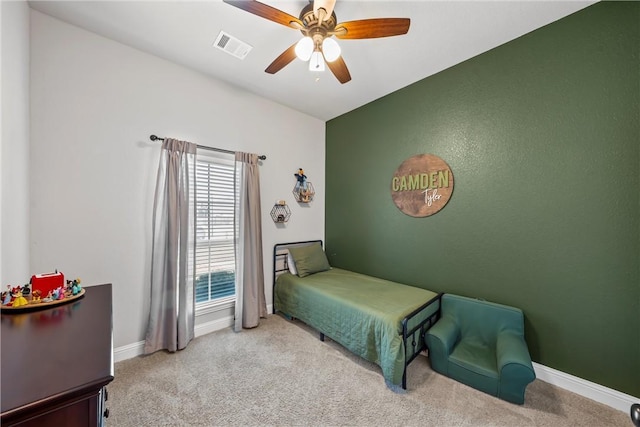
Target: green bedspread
{"x": 360, "y": 312}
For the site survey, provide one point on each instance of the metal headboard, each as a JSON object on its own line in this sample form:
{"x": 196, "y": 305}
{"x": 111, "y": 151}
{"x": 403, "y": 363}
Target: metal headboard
{"x": 280, "y": 264}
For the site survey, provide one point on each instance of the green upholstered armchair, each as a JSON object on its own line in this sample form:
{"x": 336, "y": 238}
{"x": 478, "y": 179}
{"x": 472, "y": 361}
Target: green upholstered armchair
{"x": 482, "y": 344}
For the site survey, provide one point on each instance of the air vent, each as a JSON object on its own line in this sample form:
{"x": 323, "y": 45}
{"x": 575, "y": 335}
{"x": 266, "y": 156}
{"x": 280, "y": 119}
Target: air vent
{"x": 232, "y": 45}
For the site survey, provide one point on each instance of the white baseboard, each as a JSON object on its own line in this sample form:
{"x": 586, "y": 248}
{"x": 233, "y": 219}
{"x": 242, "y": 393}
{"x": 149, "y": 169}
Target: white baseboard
{"x": 214, "y": 325}
{"x": 588, "y": 389}
{"x": 136, "y": 349}
{"x": 128, "y": 351}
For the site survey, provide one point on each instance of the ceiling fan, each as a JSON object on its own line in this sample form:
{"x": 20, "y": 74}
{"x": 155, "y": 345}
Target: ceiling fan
{"x": 318, "y": 24}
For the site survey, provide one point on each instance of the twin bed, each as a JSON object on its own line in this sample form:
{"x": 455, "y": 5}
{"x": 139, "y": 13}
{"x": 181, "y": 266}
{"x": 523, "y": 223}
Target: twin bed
{"x": 382, "y": 321}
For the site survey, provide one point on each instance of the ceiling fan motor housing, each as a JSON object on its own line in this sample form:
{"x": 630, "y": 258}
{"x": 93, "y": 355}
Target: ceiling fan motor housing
{"x": 314, "y": 27}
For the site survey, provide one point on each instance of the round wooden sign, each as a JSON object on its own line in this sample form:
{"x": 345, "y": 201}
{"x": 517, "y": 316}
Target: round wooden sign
{"x": 422, "y": 185}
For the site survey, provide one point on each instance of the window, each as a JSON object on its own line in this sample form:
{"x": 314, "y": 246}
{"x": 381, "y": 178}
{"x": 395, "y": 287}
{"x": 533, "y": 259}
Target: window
{"x": 214, "y": 248}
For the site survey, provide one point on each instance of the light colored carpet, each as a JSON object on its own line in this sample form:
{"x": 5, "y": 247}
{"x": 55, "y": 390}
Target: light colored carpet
{"x": 281, "y": 374}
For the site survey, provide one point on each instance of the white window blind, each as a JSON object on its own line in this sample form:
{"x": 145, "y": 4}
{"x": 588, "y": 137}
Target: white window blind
{"x": 214, "y": 249}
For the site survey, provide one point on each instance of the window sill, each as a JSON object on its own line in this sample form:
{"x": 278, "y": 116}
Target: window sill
{"x": 215, "y": 306}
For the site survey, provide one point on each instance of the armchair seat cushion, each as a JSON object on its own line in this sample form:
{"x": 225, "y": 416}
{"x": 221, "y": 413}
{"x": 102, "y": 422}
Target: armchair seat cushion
{"x": 474, "y": 364}
{"x": 475, "y": 357}
{"x": 481, "y": 344}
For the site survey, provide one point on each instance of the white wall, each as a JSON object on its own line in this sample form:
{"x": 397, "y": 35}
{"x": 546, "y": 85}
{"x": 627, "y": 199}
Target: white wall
{"x": 14, "y": 148}
{"x": 94, "y": 103}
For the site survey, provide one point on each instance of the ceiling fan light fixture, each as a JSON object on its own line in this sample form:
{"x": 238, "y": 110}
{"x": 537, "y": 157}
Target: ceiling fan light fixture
{"x": 331, "y": 49}
{"x": 317, "y": 61}
{"x": 304, "y": 48}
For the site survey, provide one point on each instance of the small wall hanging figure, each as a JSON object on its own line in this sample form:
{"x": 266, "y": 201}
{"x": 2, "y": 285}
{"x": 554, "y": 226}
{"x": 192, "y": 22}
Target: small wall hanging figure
{"x": 301, "y": 185}
{"x": 303, "y": 190}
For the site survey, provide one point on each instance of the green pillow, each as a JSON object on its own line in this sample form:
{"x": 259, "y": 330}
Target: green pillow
{"x": 309, "y": 259}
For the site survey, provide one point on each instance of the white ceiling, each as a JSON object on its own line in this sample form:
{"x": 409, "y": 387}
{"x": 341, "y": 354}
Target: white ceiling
{"x": 442, "y": 34}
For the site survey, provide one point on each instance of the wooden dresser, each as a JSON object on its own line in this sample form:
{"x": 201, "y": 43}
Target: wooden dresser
{"x": 57, "y": 362}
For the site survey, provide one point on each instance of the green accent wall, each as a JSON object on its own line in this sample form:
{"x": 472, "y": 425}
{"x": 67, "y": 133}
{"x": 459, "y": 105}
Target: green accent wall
{"x": 542, "y": 135}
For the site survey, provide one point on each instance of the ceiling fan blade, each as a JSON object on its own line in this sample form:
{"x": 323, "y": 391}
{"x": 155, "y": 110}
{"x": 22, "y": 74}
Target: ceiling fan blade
{"x": 340, "y": 70}
{"x": 372, "y": 28}
{"x": 267, "y": 12}
{"x": 283, "y": 60}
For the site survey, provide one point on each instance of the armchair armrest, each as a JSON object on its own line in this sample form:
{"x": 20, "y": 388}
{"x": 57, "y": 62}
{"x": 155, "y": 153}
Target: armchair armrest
{"x": 447, "y": 332}
{"x": 511, "y": 348}
{"x": 514, "y": 366}
{"x": 441, "y": 339}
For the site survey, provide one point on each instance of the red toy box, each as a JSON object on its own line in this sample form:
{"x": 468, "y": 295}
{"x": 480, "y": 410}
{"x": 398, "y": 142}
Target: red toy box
{"x": 46, "y": 282}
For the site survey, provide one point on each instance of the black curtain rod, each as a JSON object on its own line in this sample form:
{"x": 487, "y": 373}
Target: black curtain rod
{"x": 157, "y": 138}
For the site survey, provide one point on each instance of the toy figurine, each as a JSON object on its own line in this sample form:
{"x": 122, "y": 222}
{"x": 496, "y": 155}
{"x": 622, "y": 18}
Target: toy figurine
{"x": 26, "y": 289}
{"x": 7, "y": 296}
{"x": 19, "y": 299}
{"x": 75, "y": 287}
{"x": 301, "y": 185}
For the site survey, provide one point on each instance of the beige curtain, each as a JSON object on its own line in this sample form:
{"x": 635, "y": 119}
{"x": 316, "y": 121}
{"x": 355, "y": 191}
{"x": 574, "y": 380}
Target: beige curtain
{"x": 250, "y": 300}
{"x": 171, "y": 315}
